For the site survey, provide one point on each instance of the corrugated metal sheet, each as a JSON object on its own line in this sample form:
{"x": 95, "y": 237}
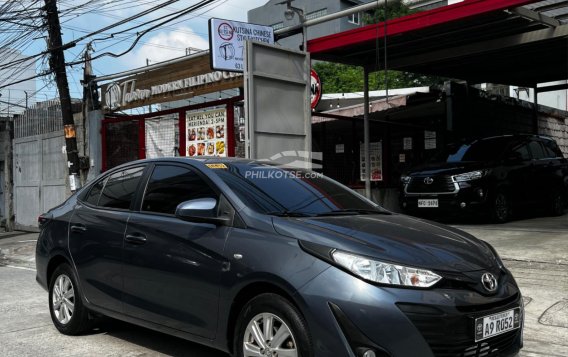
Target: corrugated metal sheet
{"x": 41, "y": 118}
{"x": 39, "y": 176}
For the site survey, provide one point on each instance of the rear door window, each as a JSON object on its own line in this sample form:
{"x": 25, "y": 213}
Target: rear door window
{"x": 95, "y": 193}
{"x": 537, "y": 150}
{"x": 120, "y": 188}
{"x": 171, "y": 185}
{"x": 551, "y": 149}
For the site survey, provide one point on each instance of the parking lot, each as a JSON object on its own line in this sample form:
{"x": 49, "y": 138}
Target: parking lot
{"x": 536, "y": 250}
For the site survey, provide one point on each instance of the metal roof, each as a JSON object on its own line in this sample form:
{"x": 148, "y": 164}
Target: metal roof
{"x": 517, "y": 42}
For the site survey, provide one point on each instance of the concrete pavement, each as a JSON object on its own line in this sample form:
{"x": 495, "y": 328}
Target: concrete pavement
{"x": 536, "y": 252}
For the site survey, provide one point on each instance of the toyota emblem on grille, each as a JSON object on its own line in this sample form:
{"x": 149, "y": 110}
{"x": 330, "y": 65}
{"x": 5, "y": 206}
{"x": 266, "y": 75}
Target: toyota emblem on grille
{"x": 489, "y": 282}
{"x": 428, "y": 180}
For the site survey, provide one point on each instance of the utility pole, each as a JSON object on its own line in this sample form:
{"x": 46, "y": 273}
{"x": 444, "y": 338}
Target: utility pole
{"x": 57, "y": 65}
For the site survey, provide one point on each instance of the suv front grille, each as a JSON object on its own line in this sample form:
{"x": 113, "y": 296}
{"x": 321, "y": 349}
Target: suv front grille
{"x": 439, "y": 184}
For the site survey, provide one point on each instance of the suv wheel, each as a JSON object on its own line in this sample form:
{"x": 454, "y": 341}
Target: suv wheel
{"x": 501, "y": 209}
{"x": 269, "y": 325}
{"x": 557, "y": 205}
{"x": 69, "y": 315}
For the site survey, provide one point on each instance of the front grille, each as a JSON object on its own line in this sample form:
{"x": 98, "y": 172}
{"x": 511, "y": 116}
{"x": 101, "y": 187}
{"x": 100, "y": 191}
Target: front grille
{"x": 493, "y": 347}
{"x": 452, "y": 335}
{"x": 439, "y": 184}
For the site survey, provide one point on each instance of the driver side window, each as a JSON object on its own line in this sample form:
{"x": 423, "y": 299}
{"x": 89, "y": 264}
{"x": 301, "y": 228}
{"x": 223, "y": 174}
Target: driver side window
{"x": 522, "y": 150}
{"x": 171, "y": 185}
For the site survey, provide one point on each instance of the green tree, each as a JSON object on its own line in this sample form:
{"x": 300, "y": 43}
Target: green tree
{"x": 342, "y": 78}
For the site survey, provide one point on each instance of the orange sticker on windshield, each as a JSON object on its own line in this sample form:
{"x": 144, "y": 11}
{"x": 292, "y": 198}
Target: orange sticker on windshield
{"x": 216, "y": 166}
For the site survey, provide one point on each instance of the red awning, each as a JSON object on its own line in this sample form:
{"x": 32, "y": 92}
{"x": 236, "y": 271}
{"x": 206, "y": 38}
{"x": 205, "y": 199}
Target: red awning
{"x": 520, "y": 42}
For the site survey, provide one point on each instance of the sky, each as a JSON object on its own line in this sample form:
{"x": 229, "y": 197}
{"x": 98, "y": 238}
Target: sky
{"x": 166, "y": 42}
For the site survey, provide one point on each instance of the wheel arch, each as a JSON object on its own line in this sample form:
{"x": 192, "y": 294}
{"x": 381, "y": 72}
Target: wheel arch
{"x": 53, "y": 263}
{"x": 245, "y": 295}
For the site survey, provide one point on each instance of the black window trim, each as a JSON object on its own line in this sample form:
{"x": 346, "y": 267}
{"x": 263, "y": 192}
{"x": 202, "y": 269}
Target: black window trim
{"x": 142, "y": 193}
{"x": 105, "y": 178}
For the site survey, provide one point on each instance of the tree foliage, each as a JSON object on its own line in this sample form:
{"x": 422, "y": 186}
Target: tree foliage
{"x": 341, "y": 78}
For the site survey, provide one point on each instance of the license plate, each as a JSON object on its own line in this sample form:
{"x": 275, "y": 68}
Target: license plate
{"x": 493, "y": 325}
{"x": 427, "y": 203}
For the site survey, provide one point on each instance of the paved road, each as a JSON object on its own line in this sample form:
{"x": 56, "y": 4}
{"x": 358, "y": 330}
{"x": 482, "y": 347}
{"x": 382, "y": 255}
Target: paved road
{"x": 536, "y": 250}
{"x": 26, "y": 329}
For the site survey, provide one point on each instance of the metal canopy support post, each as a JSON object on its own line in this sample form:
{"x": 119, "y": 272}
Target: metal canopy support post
{"x": 366, "y": 133}
{"x": 535, "y": 119}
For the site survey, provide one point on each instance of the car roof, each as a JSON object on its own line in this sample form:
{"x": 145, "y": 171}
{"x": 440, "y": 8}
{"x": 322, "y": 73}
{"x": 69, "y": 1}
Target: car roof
{"x": 512, "y": 137}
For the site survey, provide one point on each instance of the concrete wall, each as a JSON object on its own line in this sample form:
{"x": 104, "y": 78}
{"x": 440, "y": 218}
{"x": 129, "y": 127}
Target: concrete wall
{"x": 6, "y": 207}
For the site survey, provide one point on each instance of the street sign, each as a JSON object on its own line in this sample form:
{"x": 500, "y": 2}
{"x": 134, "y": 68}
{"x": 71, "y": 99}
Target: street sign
{"x": 227, "y": 42}
{"x": 315, "y": 89}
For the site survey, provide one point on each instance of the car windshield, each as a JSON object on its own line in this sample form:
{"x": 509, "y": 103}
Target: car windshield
{"x": 284, "y": 191}
{"x": 480, "y": 150}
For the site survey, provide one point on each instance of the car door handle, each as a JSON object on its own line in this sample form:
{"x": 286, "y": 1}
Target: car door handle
{"x": 135, "y": 238}
{"x": 78, "y": 228}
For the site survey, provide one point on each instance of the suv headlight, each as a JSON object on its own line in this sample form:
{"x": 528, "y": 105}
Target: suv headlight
{"x": 405, "y": 179}
{"x": 385, "y": 273}
{"x": 469, "y": 176}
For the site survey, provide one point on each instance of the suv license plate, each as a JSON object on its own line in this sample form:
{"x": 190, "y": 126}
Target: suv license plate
{"x": 427, "y": 203}
{"x": 493, "y": 325}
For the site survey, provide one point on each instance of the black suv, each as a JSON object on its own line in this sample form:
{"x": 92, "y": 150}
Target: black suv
{"x": 491, "y": 175}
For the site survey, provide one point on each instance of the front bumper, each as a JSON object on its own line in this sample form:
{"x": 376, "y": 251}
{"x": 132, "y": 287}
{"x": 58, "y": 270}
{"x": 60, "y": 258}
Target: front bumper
{"x": 397, "y": 322}
{"x": 468, "y": 198}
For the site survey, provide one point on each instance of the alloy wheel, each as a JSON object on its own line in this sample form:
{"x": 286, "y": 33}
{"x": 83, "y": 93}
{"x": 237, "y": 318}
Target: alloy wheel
{"x": 501, "y": 207}
{"x": 267, "y": 335}
{"x": 63, "y": 299}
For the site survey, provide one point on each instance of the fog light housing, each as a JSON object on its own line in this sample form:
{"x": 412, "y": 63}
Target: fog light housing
{"x": 404, "y": 204}
{"x": 369, "y": 353}
{"x": 463, "y": 205}
{"x": 480, "y": 192}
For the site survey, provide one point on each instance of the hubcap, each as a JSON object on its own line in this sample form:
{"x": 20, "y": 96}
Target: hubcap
{"x": 267, "y": 335}
{"x": 63, "y": 299}
{"x": 501, "y": 207}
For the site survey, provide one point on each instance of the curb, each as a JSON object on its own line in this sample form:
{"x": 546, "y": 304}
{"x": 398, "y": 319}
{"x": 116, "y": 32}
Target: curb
{"x": 12, "y": 234}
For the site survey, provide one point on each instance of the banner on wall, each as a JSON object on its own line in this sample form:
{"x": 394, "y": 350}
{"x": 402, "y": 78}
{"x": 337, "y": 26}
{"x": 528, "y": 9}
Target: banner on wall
{"x": 206, "y": 133}
{"x": 376, "y": 153}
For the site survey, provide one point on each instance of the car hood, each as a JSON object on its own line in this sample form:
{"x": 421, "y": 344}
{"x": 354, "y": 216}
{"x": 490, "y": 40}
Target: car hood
{"x": 394, "y": 238}
{"x": 447, "y": 168}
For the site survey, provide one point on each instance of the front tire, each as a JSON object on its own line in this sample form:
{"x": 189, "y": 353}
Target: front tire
{"x": 66, "y": 308}
{"x": 270, "y": 325}
{"x": 557, "y": 205}
{"x": 501, "y": 211}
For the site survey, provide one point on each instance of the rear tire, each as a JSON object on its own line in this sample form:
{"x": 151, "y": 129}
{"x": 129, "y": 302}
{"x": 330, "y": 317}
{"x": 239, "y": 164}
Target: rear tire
{"x": 268, "y": 324}
{"x": 501, "y": 211}
{"x": 66, "y": 308}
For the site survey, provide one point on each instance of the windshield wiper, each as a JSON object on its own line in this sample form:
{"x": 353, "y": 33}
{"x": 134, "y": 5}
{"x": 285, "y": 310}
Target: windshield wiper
{"x": 352, "y": 211}
{"x": 288, "y": 214}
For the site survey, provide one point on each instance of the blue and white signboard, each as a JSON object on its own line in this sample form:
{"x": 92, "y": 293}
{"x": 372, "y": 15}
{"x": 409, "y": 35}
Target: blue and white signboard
{"x": 227, "y": 42}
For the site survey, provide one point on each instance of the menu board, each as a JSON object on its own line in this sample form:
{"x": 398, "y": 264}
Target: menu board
{"x": 206, "y": 133}
{"x": 376, "y": 156}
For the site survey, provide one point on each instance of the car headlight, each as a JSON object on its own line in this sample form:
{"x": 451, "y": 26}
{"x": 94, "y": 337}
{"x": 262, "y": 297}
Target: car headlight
{"x": 469, "y": 176}
{"x": 385, "y": 273}
{"x": 405, "y": 179}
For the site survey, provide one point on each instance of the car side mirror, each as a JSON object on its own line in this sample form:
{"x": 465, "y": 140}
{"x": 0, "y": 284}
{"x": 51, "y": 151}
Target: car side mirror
{"x": 201, "y": 210}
